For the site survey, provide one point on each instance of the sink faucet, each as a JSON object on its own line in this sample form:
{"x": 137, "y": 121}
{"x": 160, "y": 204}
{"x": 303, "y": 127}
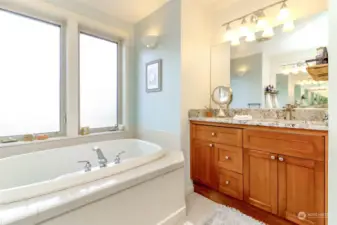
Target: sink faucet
{"x": 118, "y": 158}
{"x": 102, "y": 161}
{"x": 289, "y": 109}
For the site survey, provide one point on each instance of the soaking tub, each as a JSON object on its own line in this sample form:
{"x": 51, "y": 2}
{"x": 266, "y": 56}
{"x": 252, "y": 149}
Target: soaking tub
{"x": 34, "y": 174}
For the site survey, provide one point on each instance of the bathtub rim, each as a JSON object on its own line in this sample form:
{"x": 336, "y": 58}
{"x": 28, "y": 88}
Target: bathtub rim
{"x": 172, "y": 161}
{"x": 158, "y": 153}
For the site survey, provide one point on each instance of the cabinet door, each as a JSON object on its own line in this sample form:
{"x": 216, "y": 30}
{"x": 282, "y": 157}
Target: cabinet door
{"x": 260, "y": 179}
{"x": 301, "y": 190}
{"x": 204, "y": 163}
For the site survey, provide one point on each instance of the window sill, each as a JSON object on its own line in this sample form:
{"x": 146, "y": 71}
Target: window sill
{"x": 56, "y": 139}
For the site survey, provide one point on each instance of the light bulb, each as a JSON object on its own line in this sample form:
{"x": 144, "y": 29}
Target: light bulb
{"x": 268, "y": 32}
{"x": 251, "y": 37}
{"x": 284, "y": 13}
{"x": 262, "y": 22}
{"x": 235, "y": 41}
{"x": 288, "y": 26}
{"x": 244, "y": 30}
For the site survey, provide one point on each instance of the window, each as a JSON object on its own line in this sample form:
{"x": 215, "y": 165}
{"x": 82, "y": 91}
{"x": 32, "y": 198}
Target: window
{"x": 30, "y": 76}
{"x": 98, "y": 82}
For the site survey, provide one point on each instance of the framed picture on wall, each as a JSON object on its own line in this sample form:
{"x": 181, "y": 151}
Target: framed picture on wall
{"x": 154, "y": 76}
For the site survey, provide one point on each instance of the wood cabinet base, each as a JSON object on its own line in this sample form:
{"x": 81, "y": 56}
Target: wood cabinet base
{"x": 242, "y": 206}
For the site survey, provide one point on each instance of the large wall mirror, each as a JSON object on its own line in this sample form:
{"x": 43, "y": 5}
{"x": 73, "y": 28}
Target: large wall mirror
{"x": 278, "y": 61}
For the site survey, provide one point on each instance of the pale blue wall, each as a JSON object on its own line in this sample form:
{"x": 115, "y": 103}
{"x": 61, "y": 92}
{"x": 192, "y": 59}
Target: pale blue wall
{"x": 247, "y": 88}
{"x": 159, "y": 111}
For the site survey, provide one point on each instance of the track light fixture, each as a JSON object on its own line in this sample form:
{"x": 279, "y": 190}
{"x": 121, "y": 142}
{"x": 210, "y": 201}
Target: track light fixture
{"x": 258, "y": 22}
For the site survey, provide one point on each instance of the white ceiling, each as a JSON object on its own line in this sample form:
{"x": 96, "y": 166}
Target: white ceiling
{"x": 130, "y": 11}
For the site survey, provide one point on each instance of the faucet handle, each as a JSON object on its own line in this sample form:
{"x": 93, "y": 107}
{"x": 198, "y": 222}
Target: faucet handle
{"x": 120, "y": 153}
{"x": 87, "y": 166}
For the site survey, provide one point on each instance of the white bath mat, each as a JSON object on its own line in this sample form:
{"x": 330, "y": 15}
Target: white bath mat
{"x": 229, "y": 216}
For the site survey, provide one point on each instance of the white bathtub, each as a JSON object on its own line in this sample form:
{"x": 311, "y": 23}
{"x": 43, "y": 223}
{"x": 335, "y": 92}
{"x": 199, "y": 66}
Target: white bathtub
{"x": 34, "y": 174}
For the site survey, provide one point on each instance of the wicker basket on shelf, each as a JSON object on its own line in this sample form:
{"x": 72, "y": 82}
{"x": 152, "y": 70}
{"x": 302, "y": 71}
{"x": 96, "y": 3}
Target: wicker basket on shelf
{"x": 319, "y": 72}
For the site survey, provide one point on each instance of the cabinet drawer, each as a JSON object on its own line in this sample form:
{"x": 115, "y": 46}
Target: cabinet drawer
{"x": 229, "y": 157}
{"x": 298, "y": 145}
{"x": 230, "y": 183}
{"x": 228, "y": 136}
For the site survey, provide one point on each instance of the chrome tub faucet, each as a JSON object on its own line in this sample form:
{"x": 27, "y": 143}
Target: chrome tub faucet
{"x": 102, "y": 161}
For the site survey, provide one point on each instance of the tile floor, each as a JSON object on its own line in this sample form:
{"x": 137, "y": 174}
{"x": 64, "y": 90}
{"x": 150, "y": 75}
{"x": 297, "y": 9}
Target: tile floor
{"x": 199, "y": 210}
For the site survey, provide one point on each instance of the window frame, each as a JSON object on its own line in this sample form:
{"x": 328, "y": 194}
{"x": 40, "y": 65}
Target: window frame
{"x": 107, "y": 37}
{"x": 62, "y": 77}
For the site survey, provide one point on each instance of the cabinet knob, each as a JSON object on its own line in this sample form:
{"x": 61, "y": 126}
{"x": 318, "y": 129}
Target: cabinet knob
{"x": 210, "y": 145}
{"x": 280, "y": 158}
{"x": 213, "y": 134}
{"x": 273, "y": 157}
{"x": 227, "y": 182}
{"x": 227, "y": 157}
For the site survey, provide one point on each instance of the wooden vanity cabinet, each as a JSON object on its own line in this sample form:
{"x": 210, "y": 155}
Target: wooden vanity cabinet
{"x": 280, "y": 171}
{"x": 203, "y": 163}
{"x": 260, "y": 180}
{"x": 301, "y": 189}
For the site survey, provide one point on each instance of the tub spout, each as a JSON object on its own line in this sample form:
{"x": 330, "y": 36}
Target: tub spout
{"x": 102, "y": 161}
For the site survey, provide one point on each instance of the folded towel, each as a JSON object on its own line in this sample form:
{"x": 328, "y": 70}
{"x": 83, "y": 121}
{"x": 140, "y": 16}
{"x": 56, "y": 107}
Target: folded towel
{"x": 243, "y": 117}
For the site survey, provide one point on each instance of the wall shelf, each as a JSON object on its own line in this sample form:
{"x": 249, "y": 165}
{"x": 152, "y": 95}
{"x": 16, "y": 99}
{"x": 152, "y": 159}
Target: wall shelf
{"x": 319, "y": 72}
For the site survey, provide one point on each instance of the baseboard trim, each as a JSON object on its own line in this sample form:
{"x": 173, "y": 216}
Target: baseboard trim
{"x": 174, "y": 218}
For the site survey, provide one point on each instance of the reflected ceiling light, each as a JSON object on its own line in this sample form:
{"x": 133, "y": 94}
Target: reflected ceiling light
{"x": 244, "y": 30}
{"x": 268, "y": 32}
{"x": 235, "y": 41}
{"x": 284, "y": 12}
{"x": 288, "y": 26}
{"x": 251, "y": 37}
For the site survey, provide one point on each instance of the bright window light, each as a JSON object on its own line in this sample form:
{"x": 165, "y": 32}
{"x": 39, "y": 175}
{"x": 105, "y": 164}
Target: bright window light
{"x": 29, "y": 75}
{"x": 98, "y": 82}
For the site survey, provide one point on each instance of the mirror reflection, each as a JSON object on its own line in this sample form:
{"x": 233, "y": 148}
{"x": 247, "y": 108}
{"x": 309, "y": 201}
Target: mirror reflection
{"x": 280, "y": 63}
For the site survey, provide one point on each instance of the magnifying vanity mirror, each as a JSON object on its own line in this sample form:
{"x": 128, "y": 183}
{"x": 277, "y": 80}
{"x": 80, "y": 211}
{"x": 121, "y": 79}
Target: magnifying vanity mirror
{"x": 222, "y": 96}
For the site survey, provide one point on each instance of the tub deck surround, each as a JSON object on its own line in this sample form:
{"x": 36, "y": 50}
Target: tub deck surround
{"x": 277, "y": 166}
{"x": 18, "y": 186}
{"x": 39, "y": 209}
{"x": 295, "y": 124}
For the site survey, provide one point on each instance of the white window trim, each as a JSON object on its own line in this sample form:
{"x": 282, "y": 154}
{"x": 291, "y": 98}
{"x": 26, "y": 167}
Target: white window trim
{"x": 70, "y": 115}
{"x": 61, "y": 25}
{"x": 104, "y": 36}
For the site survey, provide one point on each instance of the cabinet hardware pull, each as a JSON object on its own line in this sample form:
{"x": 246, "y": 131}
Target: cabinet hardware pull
{"x": 227, "y": 182}
{"x": 213, "y": 134}
{"x": 227, "y": 157}
{"x": 210, "y": 145}
{"x": 273, "y": 157}
{"x": 281, "y": 159}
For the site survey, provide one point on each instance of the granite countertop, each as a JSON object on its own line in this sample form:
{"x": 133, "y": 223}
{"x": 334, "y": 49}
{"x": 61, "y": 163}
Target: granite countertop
{"x": 295, "y": 124}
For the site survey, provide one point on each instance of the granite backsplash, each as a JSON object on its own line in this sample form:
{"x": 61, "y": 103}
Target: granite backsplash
{"x": 298, "y": 114}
